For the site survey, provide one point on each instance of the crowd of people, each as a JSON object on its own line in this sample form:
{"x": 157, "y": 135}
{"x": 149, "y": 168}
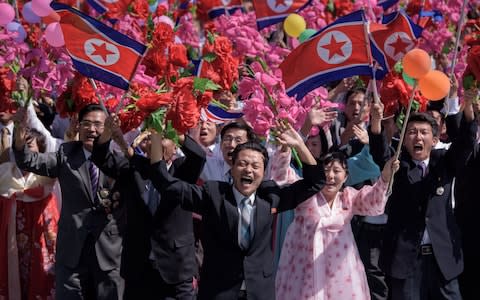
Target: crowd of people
{"x": 98, "y": 203}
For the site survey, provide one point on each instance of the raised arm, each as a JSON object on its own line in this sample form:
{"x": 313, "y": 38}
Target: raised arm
{"x": 188, "y": 195}
{"x": 190, "y": 168}
{"x": 44, "y": 164}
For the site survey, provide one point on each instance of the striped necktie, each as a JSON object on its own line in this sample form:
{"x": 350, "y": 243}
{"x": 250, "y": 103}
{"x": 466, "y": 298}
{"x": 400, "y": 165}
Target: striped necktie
{"x": 93, "y": 170}
{"x": 246, "y": 216}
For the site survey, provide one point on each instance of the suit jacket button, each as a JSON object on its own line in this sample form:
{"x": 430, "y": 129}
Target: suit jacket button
{"x": 110, "y": 217}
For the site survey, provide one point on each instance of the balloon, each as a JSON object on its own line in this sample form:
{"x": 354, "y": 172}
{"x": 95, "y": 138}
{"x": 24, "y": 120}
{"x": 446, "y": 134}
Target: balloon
{"x": 7, "y": 14}
{"x": 18, "y": 28}
{"x": 28, "y": 14}
{"x": 41, "y": 7}
{"x": 51, "y": 18}
{"x": 294, "y": 25}
{"x": 416, "y": 63}
{"x": 306, "y": 34}
{"x": 409, "y": 80}
{"x": 435, "y": 85}
{"x": 54, "y": 35}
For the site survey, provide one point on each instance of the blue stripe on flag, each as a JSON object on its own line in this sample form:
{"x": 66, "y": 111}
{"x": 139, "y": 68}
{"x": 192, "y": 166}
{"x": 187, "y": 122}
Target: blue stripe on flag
{"x": 92, "y": 71}
{"x": 223, "y": 114}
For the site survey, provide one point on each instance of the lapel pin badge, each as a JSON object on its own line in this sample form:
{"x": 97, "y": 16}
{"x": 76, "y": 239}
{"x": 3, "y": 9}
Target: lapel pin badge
{"x": 273, "y": 210}
{"x": 440, "y": 190}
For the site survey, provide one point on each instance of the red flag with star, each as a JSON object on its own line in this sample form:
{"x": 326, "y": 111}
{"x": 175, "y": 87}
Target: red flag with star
{"x": 97, "y": 50}
{"x": 399, "y": 37}
{"x": 269, "y": 12}
{"x": 338, "y": 51}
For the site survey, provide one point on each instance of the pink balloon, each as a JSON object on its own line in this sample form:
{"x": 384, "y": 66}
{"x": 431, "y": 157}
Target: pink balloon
{"x": 54, "y": 35}
{"x": 42, "y": 7}
{"x": 7, "y": 14}
{"x": 166, "y": 20}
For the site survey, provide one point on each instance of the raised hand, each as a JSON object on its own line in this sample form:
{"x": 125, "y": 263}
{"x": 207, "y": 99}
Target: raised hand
{"x": 318, "y": 116}
{"x": 376, "y": 114}
{"x": 287, "y": 136}
{"x": 361, "y": 133}
{"x": 391, "y": 166}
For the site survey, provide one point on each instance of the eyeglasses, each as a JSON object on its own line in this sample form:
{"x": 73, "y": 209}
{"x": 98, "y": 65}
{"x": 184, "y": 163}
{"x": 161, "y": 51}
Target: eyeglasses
{"x": 230, "y": 139}
{"x": 88, "y": 124}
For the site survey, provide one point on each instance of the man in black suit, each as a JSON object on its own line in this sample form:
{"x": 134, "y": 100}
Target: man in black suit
{"x": 159, "y": 258}
{"x": 89, "y": 240}
{"x": 422, "y": 249}
{"x": 237, "y": 218}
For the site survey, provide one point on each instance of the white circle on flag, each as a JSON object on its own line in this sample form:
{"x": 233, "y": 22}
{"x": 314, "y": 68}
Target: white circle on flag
{"x": 101, "y": 52}
{"x": 398, "y": 44}
{"x": 226, "y": 2}
{"x": 334, "y": 47}
{"x": 279, "y": 6}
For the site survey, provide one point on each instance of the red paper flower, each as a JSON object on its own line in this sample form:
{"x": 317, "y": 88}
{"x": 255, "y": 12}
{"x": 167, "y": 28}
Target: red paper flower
{"x": 184, "y": 113}
{"x": 130, "y": 117}
{"x": 162, "y": 36}
{"x": 151, "y": 101}
{"x": 473, "y": 63}
{"x": 178, "y": 55}
{"x": 140, "y": 8}
{"x": 7, "y": 85}
{"x": 395, "y": 92}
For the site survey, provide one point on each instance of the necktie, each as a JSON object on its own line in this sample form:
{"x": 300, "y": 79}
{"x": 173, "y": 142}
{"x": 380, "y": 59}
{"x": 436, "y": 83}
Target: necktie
{"x": 245, "y": 218}
{"x": 93, "y": 170}
{"x": 4, "y": 144}
{"x": 423, "y": 168}
{"x": 153, "y": 199}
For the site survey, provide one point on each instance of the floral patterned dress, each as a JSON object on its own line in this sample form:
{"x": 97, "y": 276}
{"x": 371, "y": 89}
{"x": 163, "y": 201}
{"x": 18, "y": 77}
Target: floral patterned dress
{"x": 28, "y": 225}
{"x": 319, "y": 259}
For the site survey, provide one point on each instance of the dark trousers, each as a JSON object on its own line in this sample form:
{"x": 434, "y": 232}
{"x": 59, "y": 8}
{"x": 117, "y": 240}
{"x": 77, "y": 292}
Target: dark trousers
{"x": 468, "y": 279}
{"x": 369, "y": 239}
{"x": 426, "y": 283}
{"x": 87, "y": 281}
{"x": 158, "y": 289}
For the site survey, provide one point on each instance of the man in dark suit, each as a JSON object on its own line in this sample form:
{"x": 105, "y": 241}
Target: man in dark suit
{"x": 237, "y": 218}
{"x": 422, "y": 249}
{"x": 89, "y": 240}
{"x": 159, "y": 258}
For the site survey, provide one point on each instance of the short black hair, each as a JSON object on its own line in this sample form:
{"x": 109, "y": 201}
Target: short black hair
{"x": 251, "y": 146}
{"x": 41, "y": 140}
{"x": 424, "y": 118}
{"x": 354, "y": 91}
{"x": 89, "y": 108}
{"x": 335, "y": 156}
{"x": 251, "y": 136}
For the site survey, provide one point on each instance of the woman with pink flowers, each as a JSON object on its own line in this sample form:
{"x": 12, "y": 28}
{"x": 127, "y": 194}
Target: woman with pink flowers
{"x": 319, "y": 258}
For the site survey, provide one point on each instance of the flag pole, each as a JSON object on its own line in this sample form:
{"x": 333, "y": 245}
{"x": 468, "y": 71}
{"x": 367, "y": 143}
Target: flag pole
{"x": 457, "y": 40}
{"x": 100, "y": 100}
{"x": 402, "y": 137}
{"x": 366, "y": 30}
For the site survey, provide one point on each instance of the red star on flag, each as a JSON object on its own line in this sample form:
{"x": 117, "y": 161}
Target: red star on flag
{"x": 280, "y": 2}
{"x": 334, "y": 47}
{"x": 399, "y": 46}
{"x": 101, "y": 50}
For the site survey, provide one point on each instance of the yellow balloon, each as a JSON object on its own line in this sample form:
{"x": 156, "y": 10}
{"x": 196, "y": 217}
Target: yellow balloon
{"x": 294, "y": 25}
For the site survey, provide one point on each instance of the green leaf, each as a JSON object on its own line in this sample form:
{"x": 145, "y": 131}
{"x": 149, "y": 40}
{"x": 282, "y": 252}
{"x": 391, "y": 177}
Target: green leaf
{"x": 203, "y": 84}
{"x": 211, "y": 37}
{"x": 156, "y": 120}
{"x": 209, "y": 57}
{"x": 170, "y": 132}
{"x": 468, "y": 82}
{"x": 398, "y": 67}
{"x": 415, "y": 105}
{"x": 400, "y": 118}
{"x": 331, "y": 6}
{"x": 70, "y": 104}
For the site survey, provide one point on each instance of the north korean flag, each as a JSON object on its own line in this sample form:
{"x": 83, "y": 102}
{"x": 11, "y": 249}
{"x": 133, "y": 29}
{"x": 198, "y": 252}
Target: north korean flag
{"x": 386, "y": 4}
{"x": 103, "y": 6}
{"x": 396, "y": 40}
{"x": 338, "y": 51}
{"x": 98, "y": 51}
{"x": 220, "y": 7}
{"x": 270, "y": 12}
{"x": 218, "y": 115}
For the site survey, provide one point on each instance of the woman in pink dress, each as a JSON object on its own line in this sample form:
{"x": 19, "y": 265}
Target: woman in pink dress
{"x": 28, "y": 229}
{"x": 319, "y": 258}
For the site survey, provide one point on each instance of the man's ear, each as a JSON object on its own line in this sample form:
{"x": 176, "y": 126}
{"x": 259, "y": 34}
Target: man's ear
{"x": 435, "y": 140}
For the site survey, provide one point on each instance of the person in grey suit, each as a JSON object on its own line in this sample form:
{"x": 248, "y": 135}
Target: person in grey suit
{"x": 92, "y": 217}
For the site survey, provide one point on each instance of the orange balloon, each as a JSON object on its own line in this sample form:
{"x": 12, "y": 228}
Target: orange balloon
{"x": 416, "y": 63}
{"x": 51, "y": 18}
{"x": 435, "y": 85}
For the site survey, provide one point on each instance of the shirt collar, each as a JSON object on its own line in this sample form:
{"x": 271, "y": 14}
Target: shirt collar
{"x": 239, "y": 196}
{"x": 9, "y": 126}
{"x": 425, "y": 161}
{"x": 87, "y": 153}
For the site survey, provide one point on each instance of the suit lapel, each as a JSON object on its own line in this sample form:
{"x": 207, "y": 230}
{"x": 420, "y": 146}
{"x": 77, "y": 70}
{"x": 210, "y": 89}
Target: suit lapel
{"x": 80, "y": 164}
{"x": 261, "y": 218}
{"x": 231, "y": 212}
